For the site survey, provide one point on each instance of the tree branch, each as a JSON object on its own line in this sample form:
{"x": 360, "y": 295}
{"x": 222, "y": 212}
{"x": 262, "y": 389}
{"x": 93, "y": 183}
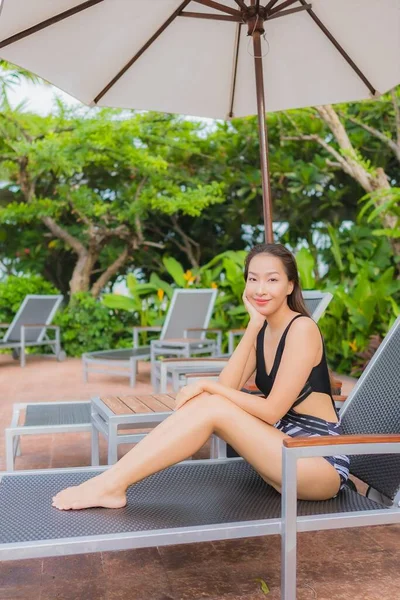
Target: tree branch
{"x": 396, "y": 107}
{"x": 358, "y": 172}
{"x": 378, "y": 134}
{"x": 109, "y": 272}
{"x": 340, "y": 161}
{"x": 187, "y": 241}
{"x": 69, "y": 239}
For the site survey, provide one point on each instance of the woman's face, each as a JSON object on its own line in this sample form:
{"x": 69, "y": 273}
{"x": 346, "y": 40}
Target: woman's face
{"x": 267, "y": 285}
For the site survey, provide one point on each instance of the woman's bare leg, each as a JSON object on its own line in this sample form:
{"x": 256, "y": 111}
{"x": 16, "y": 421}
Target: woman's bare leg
{"x": 183, "y": 434}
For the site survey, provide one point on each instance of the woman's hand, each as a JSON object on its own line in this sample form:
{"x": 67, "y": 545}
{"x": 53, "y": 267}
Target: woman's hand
{"x": 188, "y": 392}
{"x": 255, "y": 317}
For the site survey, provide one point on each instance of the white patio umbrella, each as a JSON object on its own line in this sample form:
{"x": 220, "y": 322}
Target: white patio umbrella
{"x": 208, "y": 58}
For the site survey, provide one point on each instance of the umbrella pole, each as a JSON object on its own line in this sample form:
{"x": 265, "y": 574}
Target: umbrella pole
{"x": 263, "y": 135}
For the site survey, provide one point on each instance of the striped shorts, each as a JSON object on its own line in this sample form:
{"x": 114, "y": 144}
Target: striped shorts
{"x": 296, "y": 425}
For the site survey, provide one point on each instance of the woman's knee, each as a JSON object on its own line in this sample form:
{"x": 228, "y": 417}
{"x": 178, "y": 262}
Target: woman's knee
{"x": 212, "y": 404}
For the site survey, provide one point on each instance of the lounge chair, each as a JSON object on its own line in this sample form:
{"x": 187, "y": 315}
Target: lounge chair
{"x": 30, "y": 326}
{"x": 175, "y": 369}
{"x": 44, "y": 418}
{"x": 189, "y": 313}
{"x": 224, "y": 499}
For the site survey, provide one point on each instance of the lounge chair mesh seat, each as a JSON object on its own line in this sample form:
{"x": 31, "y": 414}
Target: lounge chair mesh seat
{"x": 61, "y": 414}
{"x": 366, "y": 416}
{"x": 217, "y": 493}
{"x": 123, "y": 354}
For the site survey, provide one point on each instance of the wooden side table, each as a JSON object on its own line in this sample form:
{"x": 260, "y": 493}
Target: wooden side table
{"x": 109, "y": 414}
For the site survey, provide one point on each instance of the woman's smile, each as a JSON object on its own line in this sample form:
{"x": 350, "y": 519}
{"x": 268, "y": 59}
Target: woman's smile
{"x": 262, "y": 301}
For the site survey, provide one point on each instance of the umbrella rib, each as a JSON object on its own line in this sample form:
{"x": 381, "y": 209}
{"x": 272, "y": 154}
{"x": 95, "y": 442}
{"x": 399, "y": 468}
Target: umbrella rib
{"x": 338, "y": 47}
{"x": 221, "y": 7}
{"x": 270, "y": 4}
{"x": 235, "y": 67}
{"x": 290, "y": 11}
{"x": 242, "y": 4}
{"x": 155, "y": 35}
{"x": 39, "y": 26}
{"x": 283, "y": 5}
{"x": 196, "y": 15}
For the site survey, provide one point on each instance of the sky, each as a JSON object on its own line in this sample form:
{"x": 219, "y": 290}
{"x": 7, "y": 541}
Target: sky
{"x": 40, "y": 98}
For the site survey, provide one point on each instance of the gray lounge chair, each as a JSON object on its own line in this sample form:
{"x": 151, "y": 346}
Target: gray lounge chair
{"x": 44, "y": 418}
{"x": 185, "y": 327}
{"x": 189, "y": 313}
{"x": 176, "y": 369}
{"x": 221, "y": 499}
{"x": 30, "y": 326}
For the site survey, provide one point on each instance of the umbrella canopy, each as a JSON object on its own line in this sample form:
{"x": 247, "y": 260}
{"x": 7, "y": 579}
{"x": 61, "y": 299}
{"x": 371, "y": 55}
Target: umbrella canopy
{"x": 197, "y": 57}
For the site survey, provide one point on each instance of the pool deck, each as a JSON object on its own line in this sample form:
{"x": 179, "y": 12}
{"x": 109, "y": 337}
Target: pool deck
{"x": 349, "y": 564}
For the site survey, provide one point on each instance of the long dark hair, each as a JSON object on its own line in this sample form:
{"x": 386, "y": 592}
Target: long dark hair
{"x": 295, "y": 299}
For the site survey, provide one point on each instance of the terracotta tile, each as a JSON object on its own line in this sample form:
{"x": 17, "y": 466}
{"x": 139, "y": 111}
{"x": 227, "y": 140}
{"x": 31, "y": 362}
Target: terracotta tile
{"x": 384, "y": 589}
{"x": 352, "y": 570}
{"x": 139, "y": 587}
{"x": 29, "y": 592}
{"x": 20, "y": 573}
{"x": 74, "y": 590}
{"x": 124, "y": 563}
{"x": 194, "y": 582}
{"x": 72, "y": 568}
{"x": 188, "y": 555}
{"x": 264, "y": 548}
{"x": 388, "y": 536}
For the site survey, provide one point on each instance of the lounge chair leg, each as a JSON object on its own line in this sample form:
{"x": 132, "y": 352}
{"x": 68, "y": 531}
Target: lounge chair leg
{"x": 85, "y": 371}
{"x": 17, "y": 446}
{"x": 9, "y": 450}
{"x": 289, "y": 527}
{"x": 133, "y": 371}
{"x": 112, "y": 455}
{"x": 95, "y": 447}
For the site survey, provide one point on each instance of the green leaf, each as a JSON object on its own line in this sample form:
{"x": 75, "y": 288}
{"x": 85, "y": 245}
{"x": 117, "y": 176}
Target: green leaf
{"x": 175, "y": 269}
{"x": 263, "y": 585}
{"x": 119, "y": 302}
{"x": 306, "y": 263}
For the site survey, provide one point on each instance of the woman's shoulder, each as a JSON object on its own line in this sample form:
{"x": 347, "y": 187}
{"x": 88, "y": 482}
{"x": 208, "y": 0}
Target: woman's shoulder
{"x": 305, "y": 327}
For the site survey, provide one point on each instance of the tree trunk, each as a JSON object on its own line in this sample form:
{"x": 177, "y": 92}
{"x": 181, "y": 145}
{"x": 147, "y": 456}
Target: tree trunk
{"x": 80, "y": 280}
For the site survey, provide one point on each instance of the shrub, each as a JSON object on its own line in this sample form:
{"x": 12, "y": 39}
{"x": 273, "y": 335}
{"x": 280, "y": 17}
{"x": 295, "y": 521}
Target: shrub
{"x": 14, "y": 289}
{"x": 87, "y": 325}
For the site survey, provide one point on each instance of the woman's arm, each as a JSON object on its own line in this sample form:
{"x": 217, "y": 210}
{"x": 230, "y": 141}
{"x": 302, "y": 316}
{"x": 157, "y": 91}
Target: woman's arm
{"x": 302, "y": 347}
{"x": 242, "y": 363}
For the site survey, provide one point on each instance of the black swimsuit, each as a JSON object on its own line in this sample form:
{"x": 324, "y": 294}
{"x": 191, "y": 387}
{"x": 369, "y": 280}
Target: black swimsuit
{"x": 294, "y": 423}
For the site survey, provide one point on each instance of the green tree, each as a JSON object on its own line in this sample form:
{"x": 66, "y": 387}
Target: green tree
{"x": 93, "y": 183}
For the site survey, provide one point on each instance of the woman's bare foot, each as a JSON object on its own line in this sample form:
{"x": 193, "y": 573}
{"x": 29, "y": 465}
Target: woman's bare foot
{"x": 97, "y": 491}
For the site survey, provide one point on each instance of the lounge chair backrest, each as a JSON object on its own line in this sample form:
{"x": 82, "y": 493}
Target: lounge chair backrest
{"x": 34, "y": 309}
{"x": 189, "y": 308}
{"x": 316, "y": 302}
{"x": 374, "y": 407}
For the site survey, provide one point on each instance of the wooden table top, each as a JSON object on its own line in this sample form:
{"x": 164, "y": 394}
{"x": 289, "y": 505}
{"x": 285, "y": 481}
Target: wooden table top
{"x": 139, "y": 404}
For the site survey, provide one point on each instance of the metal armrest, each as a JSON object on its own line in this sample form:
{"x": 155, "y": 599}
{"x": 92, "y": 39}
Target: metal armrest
{"x": 138, "y": 329}
{"x": 207, "y": 330}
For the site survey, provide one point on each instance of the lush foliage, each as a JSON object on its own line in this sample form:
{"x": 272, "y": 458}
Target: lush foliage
{"x": 89, "y": 197}
{"x": 88, "y": 325}
{"x": 14, "y": 289}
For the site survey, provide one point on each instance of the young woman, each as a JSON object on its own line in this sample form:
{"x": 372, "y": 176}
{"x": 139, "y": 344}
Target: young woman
{"x": 284, "y": 346}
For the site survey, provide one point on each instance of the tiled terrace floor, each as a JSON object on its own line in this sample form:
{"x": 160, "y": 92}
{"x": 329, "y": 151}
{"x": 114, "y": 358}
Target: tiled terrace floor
{"x": 352, "y": 564}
